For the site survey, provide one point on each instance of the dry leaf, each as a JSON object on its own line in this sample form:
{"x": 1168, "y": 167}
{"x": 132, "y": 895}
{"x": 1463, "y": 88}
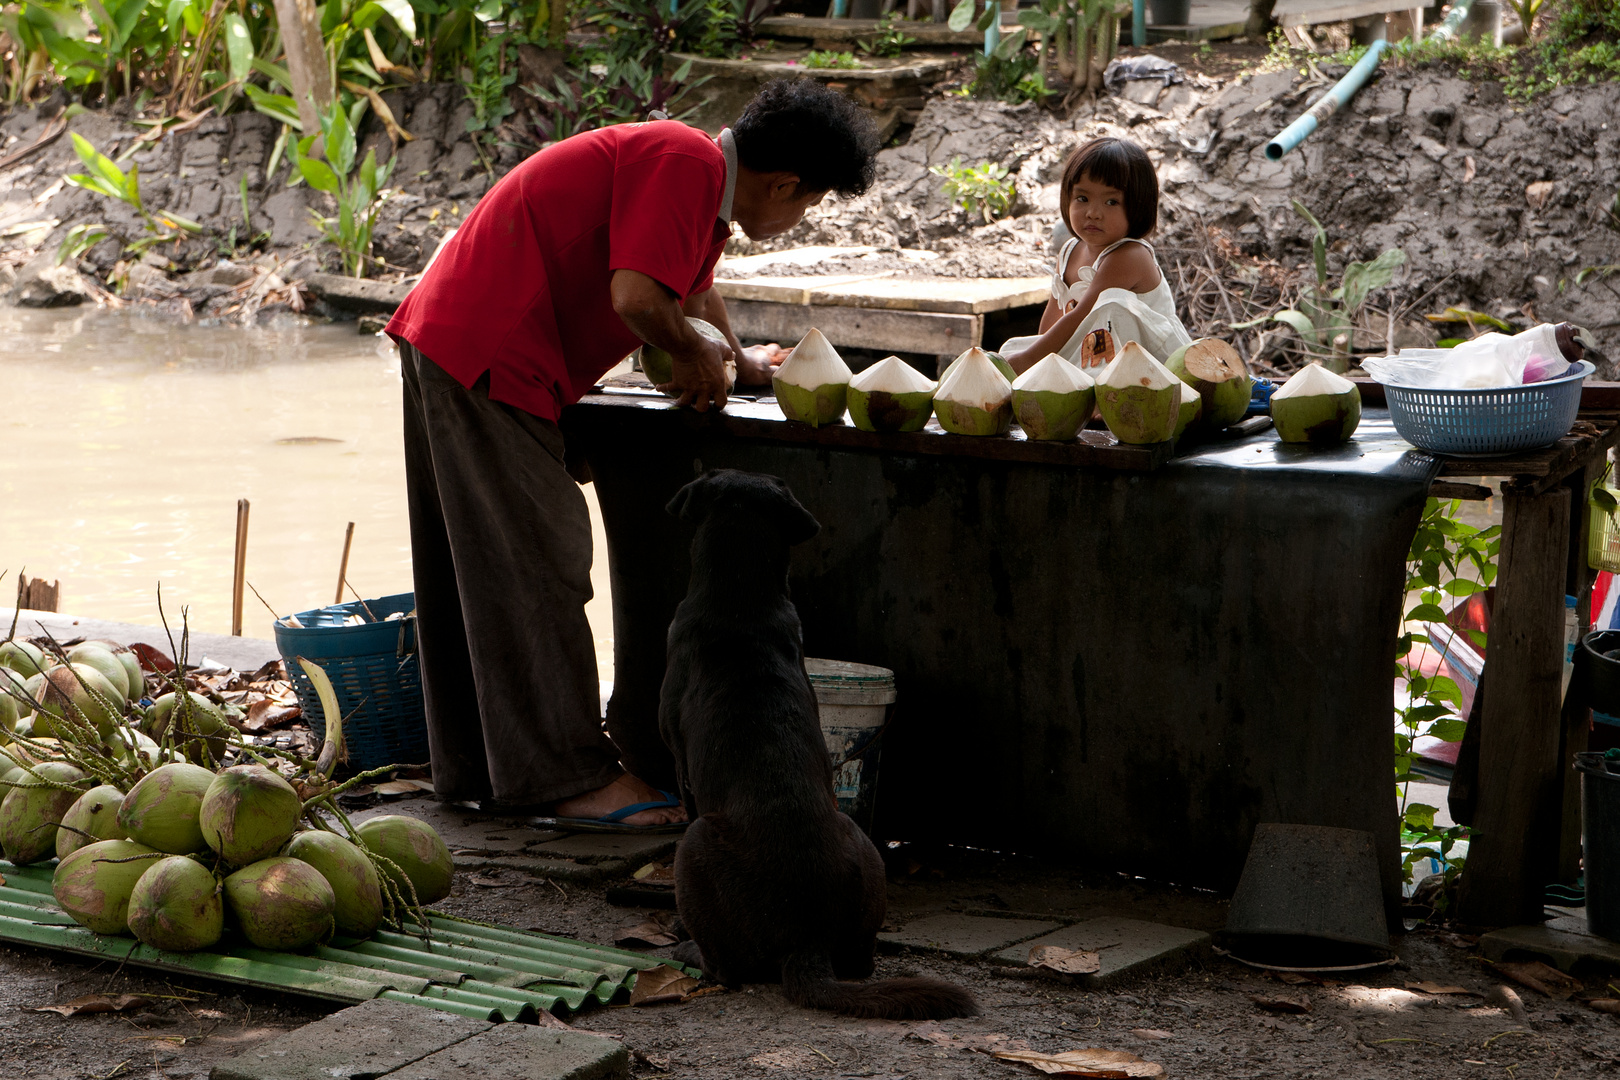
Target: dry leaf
{"x": 1539, "y": 976}
{"x": 491, "y": 883}
{"x": 1282, "y": 1004}
{"x": 403, "y": 787}
{"x": 653, "y": 933}
{"x": 660, "y": 984}
{"x": 967, "y": 1040}
{"x": 1104, "y": 1064}
{"x": 1292, "y": 978}
{"x": 1536, "y": 194}
{"x": 652, "y": 1061}
{"x": 265, "y": 715}
{"x": 1151, "y": 1033}
{"x": 97, "y": 1003}
{"x": 152, "y": 658}
{"x": 1068, "y": 961}
{"x": 1606, "y": 1005}
{"x": 1460, "y": 941}
{"x": 1436, "y": 988}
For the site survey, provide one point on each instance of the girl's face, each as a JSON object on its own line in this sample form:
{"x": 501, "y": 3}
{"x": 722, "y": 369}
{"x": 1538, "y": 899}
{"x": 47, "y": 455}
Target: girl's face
{"x": 1097, "y": 213}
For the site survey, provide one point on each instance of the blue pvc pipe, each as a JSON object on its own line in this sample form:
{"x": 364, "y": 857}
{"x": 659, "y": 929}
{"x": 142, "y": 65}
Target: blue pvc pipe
{"x": 1330, "y": 103}
{"x": 840, "y": 8}
{"x": 1138, "y": 23}
{"x": 992, "y": 33}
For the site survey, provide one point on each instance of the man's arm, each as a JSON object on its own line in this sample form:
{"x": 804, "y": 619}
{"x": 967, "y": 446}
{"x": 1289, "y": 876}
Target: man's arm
{"x": 755, "y": 365}
{"x": 655, "y": 316}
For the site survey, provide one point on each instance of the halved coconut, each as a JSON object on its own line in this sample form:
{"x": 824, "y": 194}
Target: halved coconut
{"x": 1316, "y": 406}
{"x": 659, "y": 366}
{"x": 1218, "y": 373}
{"x": 974, "y": 397}
{"x": 813, "y": 383}
{"x": 891, "y": 395}
{"x": 1138, "y": 397}
{"x": 1053, "y": 399}
{"x": 1192, "y": 407}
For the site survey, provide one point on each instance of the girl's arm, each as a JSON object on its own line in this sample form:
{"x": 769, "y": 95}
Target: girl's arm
{"x": 1049, "y": 316}
{"x": 1130, "y": 267}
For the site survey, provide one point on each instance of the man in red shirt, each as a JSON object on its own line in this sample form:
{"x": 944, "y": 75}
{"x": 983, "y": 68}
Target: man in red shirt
{"x": 575, "y": 258}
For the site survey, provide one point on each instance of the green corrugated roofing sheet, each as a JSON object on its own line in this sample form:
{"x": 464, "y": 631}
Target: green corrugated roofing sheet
{"x": 489, "y": 972}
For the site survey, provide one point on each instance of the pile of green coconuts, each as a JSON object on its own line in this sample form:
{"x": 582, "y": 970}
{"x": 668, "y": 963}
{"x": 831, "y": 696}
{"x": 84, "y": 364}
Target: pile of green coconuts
{"x": 157, "y": 837}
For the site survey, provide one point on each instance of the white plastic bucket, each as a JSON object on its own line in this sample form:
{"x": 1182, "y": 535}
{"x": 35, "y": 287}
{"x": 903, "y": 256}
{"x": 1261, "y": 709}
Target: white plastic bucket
{"x": 853, "y": 701}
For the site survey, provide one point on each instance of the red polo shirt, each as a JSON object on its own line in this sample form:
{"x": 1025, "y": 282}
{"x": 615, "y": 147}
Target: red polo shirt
{"x": 522, "y": 290}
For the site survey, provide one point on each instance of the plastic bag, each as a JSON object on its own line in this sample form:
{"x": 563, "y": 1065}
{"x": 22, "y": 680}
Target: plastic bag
{"x": 1490, "y": 360}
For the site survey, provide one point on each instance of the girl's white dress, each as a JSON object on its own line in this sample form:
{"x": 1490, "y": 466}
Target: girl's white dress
{"x": 1147, "y": 318}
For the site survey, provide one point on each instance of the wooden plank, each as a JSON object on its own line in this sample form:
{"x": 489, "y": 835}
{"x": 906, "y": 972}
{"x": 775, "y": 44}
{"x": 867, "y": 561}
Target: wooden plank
{"x": 796, "y": 289}
{"x": 1442, "y": 489}
{"x": 763, "y": 420}
{"x": 850, "y": 30}
{"x": 1575, "y": 720}
{"x": 897, "y": 331}
{"x": 1514, "y": 851}
{"x": 805, "y": 256}
{"x": 1314, "y": 12}
{"x": 966, "y": 296}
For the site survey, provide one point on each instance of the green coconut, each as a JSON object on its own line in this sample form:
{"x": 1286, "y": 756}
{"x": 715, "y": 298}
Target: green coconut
{"x": 974, "y": 397}
{"x": 996, "y": 358}
{"x": 1218, "y": 373}
{"x": 891, "y": 395}
{"x": 281, "y": 903}
{"x": 1192, "y": 407}
{"x": 176, "y": 906}
{"x": 812, "y": 384}
{"x": 132, "y": 666}
{"x": 1138, "y": 397}
{"x": 93, "y": 883}
{"x": 414, "y": 847}
{"x": 29, "y": 815}
{"x": 92, "y": 817}
{"x": 161, "y": 810}
{"x": 197, "y": 716}
{"x": 79, "y": 692}
{"x": 104, "y": 661}
{"x": 1316, "y": 406}
{"x": 8, "y": 717}
{"x": 23, "y": 658}
{"x": 248, "y": 812}
{"x": 136, "y": 748}
{"x": 659, "y": 366}
{"x": 351, "y": 874}
{"x": 33, "y": 688}
{"x": 1053, "y": 399}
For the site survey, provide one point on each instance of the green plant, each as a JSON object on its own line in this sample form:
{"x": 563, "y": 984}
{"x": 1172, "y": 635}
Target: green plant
{"x": 1448, "y": 559}
{"x": 486, "y": 85}
{"x": 826, "y": 59}
{"x": 359, "y": 193}
{"x": 1014, "y": 78}
{"x": 106, "y": 178}
{"x": 982, "y": 188}
{"x": 1527, "y": 10}
{"x": 1081, "y": 36}
{"x": 890, "y": 40}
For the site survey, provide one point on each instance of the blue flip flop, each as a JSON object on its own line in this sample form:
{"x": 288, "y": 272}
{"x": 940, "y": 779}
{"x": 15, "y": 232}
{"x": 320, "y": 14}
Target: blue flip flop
{"x": 614, "y": 822}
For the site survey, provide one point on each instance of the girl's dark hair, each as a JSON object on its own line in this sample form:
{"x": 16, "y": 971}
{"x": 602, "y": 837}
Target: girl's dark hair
{"x": 821, "y": 136}
{"x": 1119, "y": 164}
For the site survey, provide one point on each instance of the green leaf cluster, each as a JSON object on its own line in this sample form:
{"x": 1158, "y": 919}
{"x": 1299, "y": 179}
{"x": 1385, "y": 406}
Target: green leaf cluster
{"x": 983, "y": 188}
{"x": 359, "y": 192}
{"x": 107, "y": 179}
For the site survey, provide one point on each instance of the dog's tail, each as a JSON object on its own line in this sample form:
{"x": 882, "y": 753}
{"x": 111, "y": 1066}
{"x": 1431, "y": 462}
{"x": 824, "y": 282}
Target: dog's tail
{"x": 807, "y": 979}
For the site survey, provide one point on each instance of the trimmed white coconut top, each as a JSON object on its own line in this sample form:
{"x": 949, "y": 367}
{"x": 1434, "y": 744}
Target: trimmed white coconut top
{"x": 814, "y": 363}
{"x": 1053, "y": 375}
{"x": 707, "y": 329}
{"x": 1189, "y": 395}
{"x": 973, "y": 380}
{"x": 1135, "y": 366}
{"x": 892, "y": 375}
{"x": 1313, "y": 380}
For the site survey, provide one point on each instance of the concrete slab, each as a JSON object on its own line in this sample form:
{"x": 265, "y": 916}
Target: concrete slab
{"x": 241, "y": 653}
{"x": 556, "y": 869}
{"x": 365, "y": 1041}
{"x": 523, "y": 1052}
{"x": 592, "y": 848}
{"x": 1564, "y": 942}
{"x": 1125, "y": 946}
{"x": 955, "y": 934}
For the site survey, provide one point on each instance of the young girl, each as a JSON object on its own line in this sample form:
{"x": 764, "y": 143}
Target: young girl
{"x": 1106, "y": 276}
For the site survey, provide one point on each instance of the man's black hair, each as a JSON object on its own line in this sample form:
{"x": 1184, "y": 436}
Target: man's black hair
{"x": 801, "y": 127}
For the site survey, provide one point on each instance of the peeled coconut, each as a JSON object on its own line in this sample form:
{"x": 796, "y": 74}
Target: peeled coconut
{"x": 1138, "y": 397}
{"x": 23, "y": 658}
{"x": 197, "y": 716}
{"x": 161, "y": 810}
{"x": 93, "y": 817}
{"x": 29, "y": 815}
{"x": 812, "y": 384}
{"x": 105, "y": 662}
{"x": 281, "y": 903}
{"x": 93, "y": 883}
{"x": 659, "y": 366}
{"x": 974, "y": 397}
{"x": 1192, "y": 407}
{"x": 891, "y": 395}
{"x": 1316, "y": 406}
{"x": 248, "y": 812}
{"x": 1218, "y": 373}
{"x": 1053, "y": 399}
{"x": 81, "y": 692}
{"x": 1096, "y": 348}
{"x": 176, "y": 906}
{"x": 351, "y": 874}
{"x": 416, "y": 849}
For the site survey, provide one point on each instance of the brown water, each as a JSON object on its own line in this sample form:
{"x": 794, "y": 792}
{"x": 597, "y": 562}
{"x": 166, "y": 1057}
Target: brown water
{"x": 125, "y": 442}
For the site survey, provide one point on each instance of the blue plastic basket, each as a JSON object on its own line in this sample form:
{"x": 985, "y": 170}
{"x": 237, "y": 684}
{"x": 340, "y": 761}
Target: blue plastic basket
{"x": 374, "y": 671}
{"x": 1499, "y": 420}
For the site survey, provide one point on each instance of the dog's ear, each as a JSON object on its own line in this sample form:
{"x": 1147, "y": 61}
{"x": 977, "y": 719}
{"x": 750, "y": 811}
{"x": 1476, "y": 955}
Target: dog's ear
{"x": 693, "y": 502}
{"x": 797, "y": 523}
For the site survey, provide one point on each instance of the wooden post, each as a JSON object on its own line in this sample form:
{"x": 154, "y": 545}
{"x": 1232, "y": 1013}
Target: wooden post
{"x": 239, "y": 578}
{"x": 306, "y": 62}
{"x": 343, "y": 567}
{"x": 37, "y": 594}
{"x": 1513, "y": 853}
{"x": 1576, "y": 719}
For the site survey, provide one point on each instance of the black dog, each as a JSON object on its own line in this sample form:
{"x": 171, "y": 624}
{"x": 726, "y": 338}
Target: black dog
{"x": 772, "y": 882}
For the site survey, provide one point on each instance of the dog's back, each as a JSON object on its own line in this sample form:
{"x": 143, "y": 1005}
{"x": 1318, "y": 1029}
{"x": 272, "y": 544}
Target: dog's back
{"x": 772, "y": 882}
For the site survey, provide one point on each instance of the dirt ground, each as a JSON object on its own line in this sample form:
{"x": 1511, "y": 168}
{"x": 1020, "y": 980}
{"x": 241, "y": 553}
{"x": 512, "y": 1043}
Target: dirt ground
{"x": 1202, "y": 1021}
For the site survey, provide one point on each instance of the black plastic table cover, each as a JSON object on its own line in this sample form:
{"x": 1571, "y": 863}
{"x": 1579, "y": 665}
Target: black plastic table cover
{"x": 1128, "y": 670}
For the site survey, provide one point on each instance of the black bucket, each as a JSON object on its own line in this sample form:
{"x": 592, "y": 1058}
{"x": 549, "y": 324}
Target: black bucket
{"x": 1598, "y": 675}
{"x": 1600, "y": 839}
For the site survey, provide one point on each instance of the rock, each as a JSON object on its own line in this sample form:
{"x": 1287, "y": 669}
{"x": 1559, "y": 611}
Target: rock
{"x": 356, "y": 294}
{"x": 230, "y": 275}
{"x": 44, "y": 284}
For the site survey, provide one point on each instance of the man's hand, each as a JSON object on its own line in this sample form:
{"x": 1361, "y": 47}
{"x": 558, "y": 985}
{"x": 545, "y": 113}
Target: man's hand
{"x": 758, "y": 363}
{"x": 698, "y": 365}
{"x": 700, "y": 376}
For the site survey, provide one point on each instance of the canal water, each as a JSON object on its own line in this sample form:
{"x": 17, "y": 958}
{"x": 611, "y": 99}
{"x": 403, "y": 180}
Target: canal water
{"x": 126, "y": 440}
